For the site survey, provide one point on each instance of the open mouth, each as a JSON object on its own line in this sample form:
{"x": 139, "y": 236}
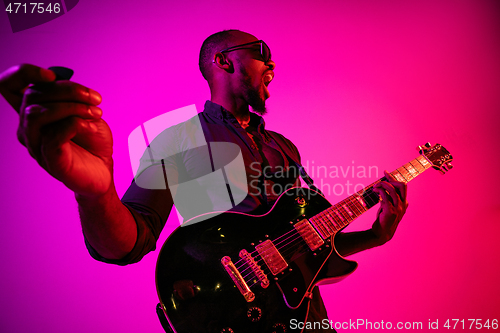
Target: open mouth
{"x": 268, "y": 77}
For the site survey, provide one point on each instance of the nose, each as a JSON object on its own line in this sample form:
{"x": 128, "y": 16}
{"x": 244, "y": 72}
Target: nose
{"x": 271, "y": 64}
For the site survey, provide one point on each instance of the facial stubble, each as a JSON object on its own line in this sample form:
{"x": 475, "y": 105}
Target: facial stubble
{"x": 252, "y": 95}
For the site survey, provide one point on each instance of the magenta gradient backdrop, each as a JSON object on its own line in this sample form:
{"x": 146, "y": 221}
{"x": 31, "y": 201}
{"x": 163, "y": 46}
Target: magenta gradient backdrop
{"x": 357, "y": 83}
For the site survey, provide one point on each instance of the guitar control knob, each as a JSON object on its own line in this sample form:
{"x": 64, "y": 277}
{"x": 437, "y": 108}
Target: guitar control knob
{"x": 254, "y": 314}
{"x": 279, "y": 328}
{"x": 226, "y": 330}
{"x": 301, "y": 202}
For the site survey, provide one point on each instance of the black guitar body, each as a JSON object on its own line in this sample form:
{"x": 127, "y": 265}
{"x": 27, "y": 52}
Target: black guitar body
{"x": 193, "y": 253}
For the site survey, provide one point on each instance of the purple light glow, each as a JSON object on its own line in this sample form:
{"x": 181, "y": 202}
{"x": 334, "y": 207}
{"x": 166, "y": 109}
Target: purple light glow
{"x": 357, "y": 83}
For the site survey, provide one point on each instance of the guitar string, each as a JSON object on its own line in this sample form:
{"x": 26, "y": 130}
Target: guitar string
{"x": 353, "y": 200}
{"x": 318, "y": 216}
{"x": 285, "y": 256}
{"x": 340, "y": 224}
{"x": 290, "y": 234}
{"x": 331, "y": 226}
{"x": 350, "y": 202}
{"x": 285, "y": 252}
{"x": 297, "y": 249}
{"x": 292, "y": 230}
{"x": 300, "y": 250}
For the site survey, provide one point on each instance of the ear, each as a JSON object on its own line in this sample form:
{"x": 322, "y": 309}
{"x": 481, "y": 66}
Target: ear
{"x": 223, "y": 62}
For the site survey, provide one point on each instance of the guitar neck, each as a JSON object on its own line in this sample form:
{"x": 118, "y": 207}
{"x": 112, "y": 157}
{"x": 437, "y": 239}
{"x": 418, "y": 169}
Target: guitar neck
{"x": 337, "y": 217}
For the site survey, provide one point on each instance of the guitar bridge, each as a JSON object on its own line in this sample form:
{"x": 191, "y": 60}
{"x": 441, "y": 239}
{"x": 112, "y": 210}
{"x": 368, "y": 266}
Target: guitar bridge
{"x": 237, "y": 279}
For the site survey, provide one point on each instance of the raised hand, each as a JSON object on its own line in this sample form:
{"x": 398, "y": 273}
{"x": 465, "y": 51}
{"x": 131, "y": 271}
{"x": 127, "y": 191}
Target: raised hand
{"x": 61, "y": 126}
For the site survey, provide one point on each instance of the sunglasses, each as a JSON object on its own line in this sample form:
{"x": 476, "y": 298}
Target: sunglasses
{"x": 265, "y": 51}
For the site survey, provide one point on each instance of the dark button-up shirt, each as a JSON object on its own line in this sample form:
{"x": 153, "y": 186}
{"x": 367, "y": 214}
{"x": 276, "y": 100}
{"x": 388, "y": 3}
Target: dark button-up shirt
{"x": 209, "y": 163}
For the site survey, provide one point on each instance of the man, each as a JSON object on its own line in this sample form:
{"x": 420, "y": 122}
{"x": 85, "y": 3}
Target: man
{"x": 62, "y": 128}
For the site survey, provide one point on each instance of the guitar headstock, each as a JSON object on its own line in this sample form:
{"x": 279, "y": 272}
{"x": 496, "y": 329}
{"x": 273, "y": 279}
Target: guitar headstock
{"x": 438, "y": 156}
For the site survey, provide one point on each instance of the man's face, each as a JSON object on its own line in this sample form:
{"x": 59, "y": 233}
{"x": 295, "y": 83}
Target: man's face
{"x": 253, "y": 74}
{"x": 255, "y": 92}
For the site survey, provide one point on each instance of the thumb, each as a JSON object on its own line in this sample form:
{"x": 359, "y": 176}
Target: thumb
{"x": 16, "y": 79}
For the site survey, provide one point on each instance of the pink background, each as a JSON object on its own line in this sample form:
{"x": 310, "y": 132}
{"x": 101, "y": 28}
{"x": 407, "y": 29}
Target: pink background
{"x": 363, "y": 81}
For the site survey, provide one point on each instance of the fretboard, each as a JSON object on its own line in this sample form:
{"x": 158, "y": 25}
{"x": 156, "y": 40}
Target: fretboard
{"x": 335, "y": 218}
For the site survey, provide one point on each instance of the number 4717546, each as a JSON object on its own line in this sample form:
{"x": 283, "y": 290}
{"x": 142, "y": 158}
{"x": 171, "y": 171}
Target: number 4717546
{"x": 474, "y": 324}
{"x": 40, "y": 7}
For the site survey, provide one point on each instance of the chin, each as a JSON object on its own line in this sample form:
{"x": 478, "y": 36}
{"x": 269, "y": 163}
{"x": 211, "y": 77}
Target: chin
{"x": 257, "y": 101}
{"x": 260, "y": 112}
{"x": 260, "y": 108}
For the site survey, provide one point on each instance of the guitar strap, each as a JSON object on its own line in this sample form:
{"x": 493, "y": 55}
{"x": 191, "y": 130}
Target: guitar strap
{"x": 308, "y": 180}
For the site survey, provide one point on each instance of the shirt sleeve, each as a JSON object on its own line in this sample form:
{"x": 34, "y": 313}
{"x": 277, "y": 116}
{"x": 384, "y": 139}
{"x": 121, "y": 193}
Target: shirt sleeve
{"x": 150, "y": 210}
{"x": 148, "y": 198}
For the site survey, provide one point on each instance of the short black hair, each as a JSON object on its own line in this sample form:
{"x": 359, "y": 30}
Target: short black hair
{"x": 213, "y": 44}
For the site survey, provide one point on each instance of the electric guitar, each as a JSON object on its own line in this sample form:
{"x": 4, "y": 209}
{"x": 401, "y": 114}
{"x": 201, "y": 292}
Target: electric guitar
{"x": 242, "y": 273}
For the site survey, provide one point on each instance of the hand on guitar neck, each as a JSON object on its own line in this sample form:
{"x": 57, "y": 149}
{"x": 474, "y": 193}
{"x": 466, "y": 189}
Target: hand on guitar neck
{"x": 393, "y": 206}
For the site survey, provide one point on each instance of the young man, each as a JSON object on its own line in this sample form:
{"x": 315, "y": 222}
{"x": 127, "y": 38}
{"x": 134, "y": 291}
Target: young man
{"x": 62, "y": 128}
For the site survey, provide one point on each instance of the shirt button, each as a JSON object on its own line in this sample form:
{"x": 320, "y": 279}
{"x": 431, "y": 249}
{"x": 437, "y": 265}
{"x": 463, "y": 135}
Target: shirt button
{"x": 253, "y": 147}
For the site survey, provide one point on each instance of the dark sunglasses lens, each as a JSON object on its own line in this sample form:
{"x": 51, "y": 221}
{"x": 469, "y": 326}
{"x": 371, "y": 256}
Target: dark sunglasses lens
{"x": 266, "y": 52}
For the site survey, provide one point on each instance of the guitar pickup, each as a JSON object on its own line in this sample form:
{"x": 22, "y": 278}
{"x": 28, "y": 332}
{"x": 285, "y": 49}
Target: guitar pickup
{"x": 272, "y": 257}
{"x": 309, "y": 235}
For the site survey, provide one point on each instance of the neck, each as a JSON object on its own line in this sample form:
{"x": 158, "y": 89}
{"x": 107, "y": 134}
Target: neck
{"x": 237, "y": 106}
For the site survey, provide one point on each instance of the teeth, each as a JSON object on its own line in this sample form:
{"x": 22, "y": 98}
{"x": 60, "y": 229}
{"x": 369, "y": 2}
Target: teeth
{"x": 268, "y": 78}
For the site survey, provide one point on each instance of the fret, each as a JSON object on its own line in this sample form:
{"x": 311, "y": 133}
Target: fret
{"x": 358, "y": 208}
{"x": 318, "y": 225}
{"x": 335, "y": 218}
{"x": 362, "y": 202}
{"x": 414, "y": 173}
{"x": 370, "y": 198}
{"x": 348, "y": 210}
{"x": 323, "y": 229}
{"x": 340, "y": 217}
{"x": 334, "y": 223}
{"x": 344, "y": 213}
{"x": 405, "y": 173}
{"x": 326, "y": 223}
{"x": 417, "y": 166}
{"x": 399, "y": 177}
{"x": 422, "y": 160}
